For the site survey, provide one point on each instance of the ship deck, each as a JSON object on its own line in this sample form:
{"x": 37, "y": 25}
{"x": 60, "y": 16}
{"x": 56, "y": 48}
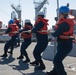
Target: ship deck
{"x": 12, "y": 66}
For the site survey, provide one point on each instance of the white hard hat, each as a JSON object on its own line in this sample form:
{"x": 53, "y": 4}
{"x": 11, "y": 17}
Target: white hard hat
{"x": 27, "y": 21}
{"x": 40, "y": 13}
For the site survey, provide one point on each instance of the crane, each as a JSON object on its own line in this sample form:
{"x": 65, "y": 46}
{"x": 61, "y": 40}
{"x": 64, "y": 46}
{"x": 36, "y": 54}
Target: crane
{"x": 17, "y": 10}
{"x": 40, "y": 5}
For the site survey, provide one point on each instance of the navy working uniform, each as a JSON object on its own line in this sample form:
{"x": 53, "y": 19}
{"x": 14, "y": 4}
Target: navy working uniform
{"x": 17, "y": 21}
{"x": 42, "y": 40}
{"x": 65, "y": 27}
{"x": 27, "y": 40}
{"x": 11, "y": 43}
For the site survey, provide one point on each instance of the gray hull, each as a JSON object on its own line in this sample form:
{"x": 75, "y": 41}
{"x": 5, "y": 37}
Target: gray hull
{"x": 49, "y": 53}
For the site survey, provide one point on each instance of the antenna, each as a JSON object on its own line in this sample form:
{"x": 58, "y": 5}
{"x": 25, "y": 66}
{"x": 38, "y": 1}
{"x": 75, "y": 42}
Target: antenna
{"x": 58, "y": 9}
{"x": 19, "y": 2}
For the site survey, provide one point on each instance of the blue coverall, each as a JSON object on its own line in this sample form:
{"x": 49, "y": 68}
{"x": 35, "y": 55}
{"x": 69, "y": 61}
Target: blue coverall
{"x": 42, "y": 41}
{"x": 18, "y": 38}
{"x": 63, "y": 48}
{"x": 11, "y": 43}
{"x": 25, "y": 44}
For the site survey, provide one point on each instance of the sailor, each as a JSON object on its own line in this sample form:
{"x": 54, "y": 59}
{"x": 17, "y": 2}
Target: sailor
{"x": 27, "y": 40}
{"x": 17, "y": 21}
{"x": 42, "y": 40}
{"x": 64, "y": 27}
{"x": 12, "y": 27}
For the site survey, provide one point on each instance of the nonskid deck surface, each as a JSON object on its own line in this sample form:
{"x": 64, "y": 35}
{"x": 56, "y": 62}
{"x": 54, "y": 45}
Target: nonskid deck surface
{"x": 12, "y": 66}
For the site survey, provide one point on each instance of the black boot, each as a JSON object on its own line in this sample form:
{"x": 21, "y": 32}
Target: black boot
{"x": 20, "y": 57}
{"x": 27, "y": 58}
{"x": 4, "y": 55}
{"x": 52, "y": 73}
{"x": 34, "y": 63}
{"x": 41, "y": 66}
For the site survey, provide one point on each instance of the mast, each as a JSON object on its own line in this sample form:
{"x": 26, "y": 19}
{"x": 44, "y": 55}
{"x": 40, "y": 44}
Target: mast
{"x": 58, "y": 9}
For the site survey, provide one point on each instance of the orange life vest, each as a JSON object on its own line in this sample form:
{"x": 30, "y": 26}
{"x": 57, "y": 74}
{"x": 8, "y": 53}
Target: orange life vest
{"x": 70, "y": 23}
{"x": 24, "y": 35}
{"x": 45, "y": 25}
{"x": 14, "y": 28}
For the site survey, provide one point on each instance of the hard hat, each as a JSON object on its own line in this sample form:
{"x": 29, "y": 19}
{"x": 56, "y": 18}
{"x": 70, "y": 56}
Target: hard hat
{"x": 27, "y": 21}
{"x": 11, "y": 22}
{"x": 40, "y": 13}
{"x": 64, "y": 9}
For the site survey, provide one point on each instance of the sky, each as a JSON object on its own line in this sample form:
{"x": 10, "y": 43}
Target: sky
{"x": 28, "y": 11}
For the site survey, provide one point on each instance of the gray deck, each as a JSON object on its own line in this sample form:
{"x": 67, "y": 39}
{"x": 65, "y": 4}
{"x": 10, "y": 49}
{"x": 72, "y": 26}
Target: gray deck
{"x": 12, "y": 66}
